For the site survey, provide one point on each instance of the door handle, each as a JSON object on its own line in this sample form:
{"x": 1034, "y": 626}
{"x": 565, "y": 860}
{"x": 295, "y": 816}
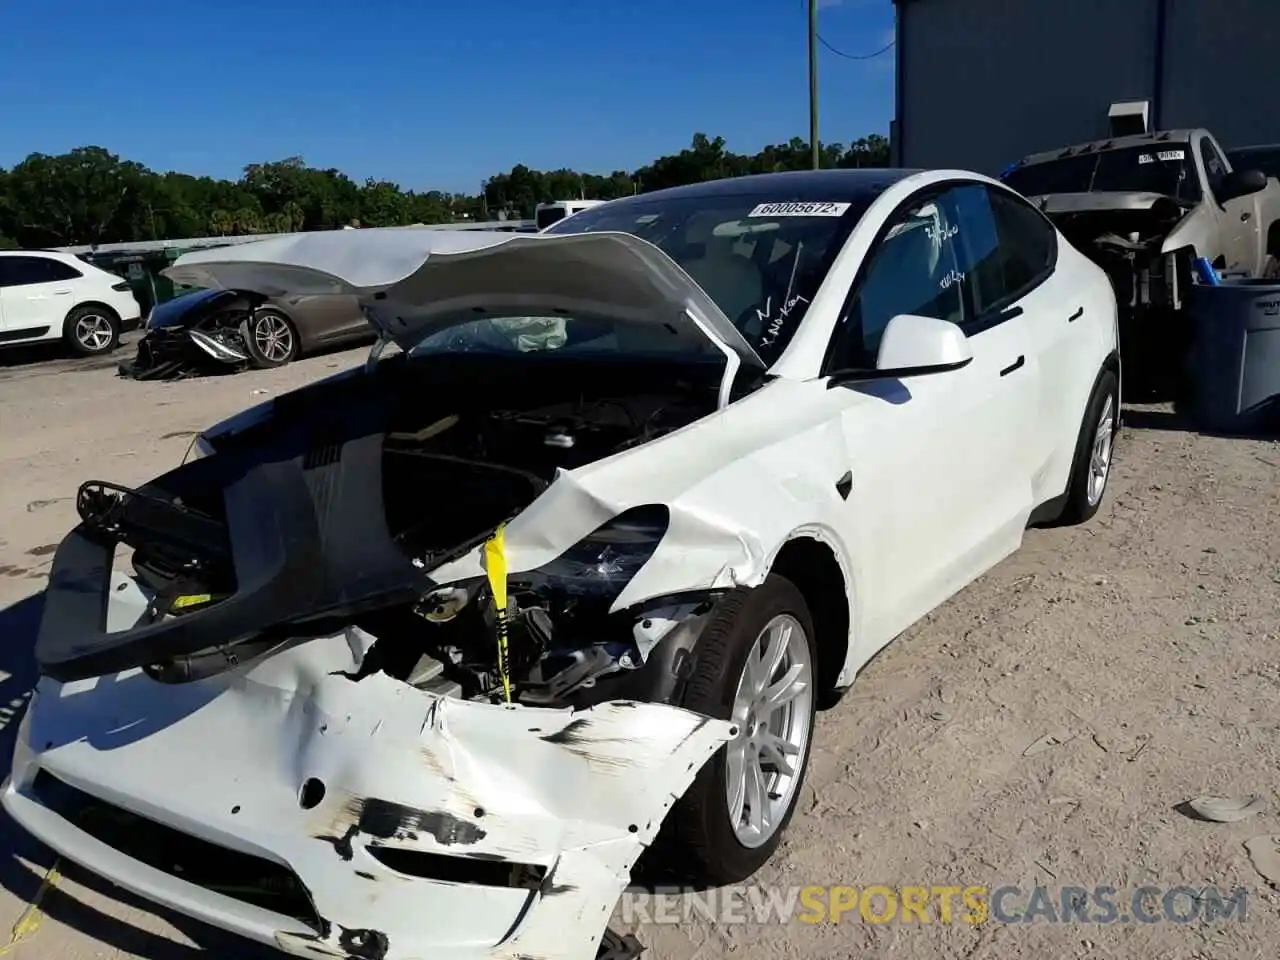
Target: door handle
{"x": 1246, "y": 215}
{"x": 1013, "y": 366}
{"x": 1076, "y": 316}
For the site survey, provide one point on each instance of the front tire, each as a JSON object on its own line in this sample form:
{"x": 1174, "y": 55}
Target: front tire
{"x": 755, "y": 665}
{"x": 1091, "y": 468}
{"x": 91, "y": 331}
{"x": 271, "y": 339}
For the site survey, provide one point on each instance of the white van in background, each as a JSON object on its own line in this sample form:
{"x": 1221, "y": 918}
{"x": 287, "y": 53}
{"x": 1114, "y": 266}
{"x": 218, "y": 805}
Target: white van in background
{"x": 548, "y": 213}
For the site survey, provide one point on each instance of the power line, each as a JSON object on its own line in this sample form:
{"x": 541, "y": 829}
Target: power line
{"x": 849, "y": 56}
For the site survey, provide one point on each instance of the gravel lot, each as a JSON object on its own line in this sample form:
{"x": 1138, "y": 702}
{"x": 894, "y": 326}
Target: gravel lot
{"x": 1043, "y": 727}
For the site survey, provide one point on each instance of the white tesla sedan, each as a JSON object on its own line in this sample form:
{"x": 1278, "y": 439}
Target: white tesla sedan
{"x": 416, "y": 661}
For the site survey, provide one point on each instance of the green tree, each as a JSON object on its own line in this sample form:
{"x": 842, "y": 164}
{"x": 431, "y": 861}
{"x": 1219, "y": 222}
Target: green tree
{"x": 90, "y": 195}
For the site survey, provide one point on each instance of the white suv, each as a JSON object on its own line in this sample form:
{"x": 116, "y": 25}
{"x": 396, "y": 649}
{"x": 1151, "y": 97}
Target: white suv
{"x": 48, "y": 296}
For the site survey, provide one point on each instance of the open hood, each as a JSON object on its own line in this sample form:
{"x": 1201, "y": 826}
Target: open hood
{"x": 418, "y": 281}
{"x": 1103, "y": 201}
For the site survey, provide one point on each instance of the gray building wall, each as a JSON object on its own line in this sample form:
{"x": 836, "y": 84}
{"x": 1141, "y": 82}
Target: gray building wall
{"x": 1222, "y": 69}
{"x": 982, "y": 83}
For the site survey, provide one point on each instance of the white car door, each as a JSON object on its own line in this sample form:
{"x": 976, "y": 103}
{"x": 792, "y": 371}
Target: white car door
{"x": 1066, "y": 313}
{"x": 1239, "y": 233}
{"x": 999, "y": 326}
{"x": 37, "y": 294}
{"x": 932, "y": 489}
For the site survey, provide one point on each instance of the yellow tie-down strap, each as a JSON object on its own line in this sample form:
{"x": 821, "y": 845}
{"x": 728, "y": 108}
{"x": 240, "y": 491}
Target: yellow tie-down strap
{"x": 495, "y": 564}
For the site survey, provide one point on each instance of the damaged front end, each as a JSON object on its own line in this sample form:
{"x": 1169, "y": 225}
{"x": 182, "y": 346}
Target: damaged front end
{"x": 196, "y": 333}
{"x": 1127, "y": 234}
{"x": 435, "y": 732}
{"x": 329, "y": 814}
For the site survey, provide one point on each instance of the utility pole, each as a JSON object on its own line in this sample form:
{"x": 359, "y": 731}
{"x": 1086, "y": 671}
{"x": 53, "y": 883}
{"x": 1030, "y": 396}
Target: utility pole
{"x": 813, "y": 82}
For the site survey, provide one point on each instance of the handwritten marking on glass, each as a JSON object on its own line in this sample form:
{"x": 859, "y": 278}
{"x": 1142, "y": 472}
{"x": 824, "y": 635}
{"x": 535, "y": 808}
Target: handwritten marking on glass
{"x": 773, "y": 324}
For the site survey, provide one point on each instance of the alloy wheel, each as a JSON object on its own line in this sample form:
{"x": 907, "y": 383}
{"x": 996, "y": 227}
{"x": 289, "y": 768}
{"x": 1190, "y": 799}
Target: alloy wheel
{"x": 94, "y": 332}
{"x": 773, "y": 710}
{"x": 1100, "y": 452}
{"x": 273, "y": 337}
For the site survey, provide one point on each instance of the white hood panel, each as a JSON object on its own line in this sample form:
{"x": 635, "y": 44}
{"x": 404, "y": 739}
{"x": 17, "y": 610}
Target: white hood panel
{"x": 417, "y": 281}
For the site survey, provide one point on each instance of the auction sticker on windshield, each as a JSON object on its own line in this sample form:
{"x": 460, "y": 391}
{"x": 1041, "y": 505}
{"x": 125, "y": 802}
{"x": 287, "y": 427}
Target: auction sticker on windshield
{"x": 800, "y": 209}
{"x": 1163, "y": 155}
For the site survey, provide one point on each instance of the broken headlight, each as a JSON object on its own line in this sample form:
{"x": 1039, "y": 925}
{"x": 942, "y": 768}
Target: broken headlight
{"x": 604, "y": 561}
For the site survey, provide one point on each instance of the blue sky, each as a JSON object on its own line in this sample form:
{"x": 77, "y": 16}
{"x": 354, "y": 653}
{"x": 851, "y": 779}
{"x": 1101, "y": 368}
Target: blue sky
{"x": 429, "y": 93}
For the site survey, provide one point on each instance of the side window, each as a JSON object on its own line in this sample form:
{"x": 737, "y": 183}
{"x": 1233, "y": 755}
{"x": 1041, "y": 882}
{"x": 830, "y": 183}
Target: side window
{"x": 977, "y": 245}
{"x": 1028, "y": 243}
{"x": 21, "y": 271}
{"x": 1215, "y": 167}
{"x": 58, "y": 270}
{"x": 911, "y": 269}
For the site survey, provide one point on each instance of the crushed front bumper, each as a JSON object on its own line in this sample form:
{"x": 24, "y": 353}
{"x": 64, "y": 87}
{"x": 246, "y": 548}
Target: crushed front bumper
{"x": 411, "y": 825}
{"x": 172, "y": 351}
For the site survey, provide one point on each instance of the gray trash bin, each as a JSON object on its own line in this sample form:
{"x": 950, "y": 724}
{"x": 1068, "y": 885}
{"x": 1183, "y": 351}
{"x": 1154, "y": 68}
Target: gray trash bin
{"x": 1236, "y": 357}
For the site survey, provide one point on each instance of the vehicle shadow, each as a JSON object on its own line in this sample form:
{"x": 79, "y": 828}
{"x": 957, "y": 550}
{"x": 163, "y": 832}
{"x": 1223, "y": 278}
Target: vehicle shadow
{"x": 55, "y": 357}
{"x": 1179, "y": 421}
{"x": 213, "y": 369}
{"x": 24, "y": 862}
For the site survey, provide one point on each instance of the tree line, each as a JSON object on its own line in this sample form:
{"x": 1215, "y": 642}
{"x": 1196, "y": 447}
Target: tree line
{"x": 90, "y": 195}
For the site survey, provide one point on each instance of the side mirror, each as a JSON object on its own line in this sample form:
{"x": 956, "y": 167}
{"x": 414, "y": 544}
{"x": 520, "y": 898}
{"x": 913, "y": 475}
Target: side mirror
{"x": 912, "y": 346}
{"x": 1241, "y": 183}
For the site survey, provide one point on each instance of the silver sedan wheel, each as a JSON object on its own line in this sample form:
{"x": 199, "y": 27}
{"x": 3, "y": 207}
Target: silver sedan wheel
{"x": 773, "y": 710}
{"x": 94, "y": 332}
{"x": 1100, "y": 452}
{"x": 273, "y": 337}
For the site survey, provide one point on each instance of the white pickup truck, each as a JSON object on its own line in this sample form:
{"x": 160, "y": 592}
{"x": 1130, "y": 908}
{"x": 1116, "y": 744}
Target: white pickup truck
{"x": 1143, "y": 207}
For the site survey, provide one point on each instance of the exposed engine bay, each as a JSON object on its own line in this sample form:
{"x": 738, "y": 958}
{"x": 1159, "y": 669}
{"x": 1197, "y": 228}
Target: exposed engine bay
{"x": 462, "y": 445}
{"x": 1125, "y": 234}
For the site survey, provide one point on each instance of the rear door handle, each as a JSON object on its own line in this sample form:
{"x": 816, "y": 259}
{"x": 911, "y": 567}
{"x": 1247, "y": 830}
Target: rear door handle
{"x": 1246, "y": 215}
{"x": 1013, "y": 366}
{"x": 1076, "y": 316}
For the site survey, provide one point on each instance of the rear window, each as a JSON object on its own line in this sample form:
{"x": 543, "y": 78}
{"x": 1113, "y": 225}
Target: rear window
{"x": 761, "y": 258}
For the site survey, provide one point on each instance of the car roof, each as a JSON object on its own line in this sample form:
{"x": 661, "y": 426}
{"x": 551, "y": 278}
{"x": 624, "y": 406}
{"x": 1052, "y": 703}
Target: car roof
{"x": 1257, "y": 148}
{"x": 799, "y": 185}
{"x": 1155, "y": 138}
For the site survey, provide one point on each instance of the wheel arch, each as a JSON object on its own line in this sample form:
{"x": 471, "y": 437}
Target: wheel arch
{"x": 1273, "y": 239}
{"x": 811, "y": 562}
{"x": 95, "y": 304}
{"x": 1111, "y": 362}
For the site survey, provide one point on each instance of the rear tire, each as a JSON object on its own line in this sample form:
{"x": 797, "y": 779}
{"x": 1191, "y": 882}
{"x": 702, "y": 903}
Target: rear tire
{"x": 91, "y": 331}
{"x": 1091, "y": 468}
{"x": 712, "y": 835}
{"x": 1271, "y": 267}
{"x": 271, "y": 339}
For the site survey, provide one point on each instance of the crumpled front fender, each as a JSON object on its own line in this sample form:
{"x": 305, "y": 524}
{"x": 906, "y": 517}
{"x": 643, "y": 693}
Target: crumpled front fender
{"x": 417, "y": 792}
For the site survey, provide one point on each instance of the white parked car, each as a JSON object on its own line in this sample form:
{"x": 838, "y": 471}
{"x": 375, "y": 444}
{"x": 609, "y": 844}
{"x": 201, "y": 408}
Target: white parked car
{"x": 419, "y": 659}
{"x": 50, "y": 296}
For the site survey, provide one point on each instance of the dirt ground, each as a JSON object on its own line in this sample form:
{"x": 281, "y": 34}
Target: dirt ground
{"x": 1042, "y": 728}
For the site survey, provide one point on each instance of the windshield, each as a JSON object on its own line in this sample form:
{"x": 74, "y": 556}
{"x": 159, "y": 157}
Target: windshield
{"x": 760, "y": 258}
{"x": 1161, "y": 168}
